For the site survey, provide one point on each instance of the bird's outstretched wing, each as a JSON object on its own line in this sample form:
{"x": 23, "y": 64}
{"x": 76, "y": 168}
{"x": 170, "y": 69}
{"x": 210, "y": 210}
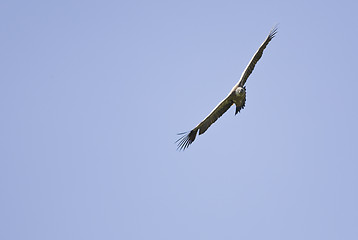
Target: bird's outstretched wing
{"x": 218, "y": 111}
{"x": 250, "y": 67}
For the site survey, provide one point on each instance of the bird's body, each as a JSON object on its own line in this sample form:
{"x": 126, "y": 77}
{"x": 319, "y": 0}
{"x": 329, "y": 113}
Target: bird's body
{"x": 236, "y": 96}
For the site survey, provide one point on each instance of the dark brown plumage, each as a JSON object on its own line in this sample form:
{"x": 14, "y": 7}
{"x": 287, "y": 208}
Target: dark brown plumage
{"x": 236, "y": 96}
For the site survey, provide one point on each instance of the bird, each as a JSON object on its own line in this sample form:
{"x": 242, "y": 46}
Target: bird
{"x": 236, "y": 96}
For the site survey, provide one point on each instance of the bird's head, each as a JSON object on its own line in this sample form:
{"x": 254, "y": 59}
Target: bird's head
{"x": 240, "y": 91}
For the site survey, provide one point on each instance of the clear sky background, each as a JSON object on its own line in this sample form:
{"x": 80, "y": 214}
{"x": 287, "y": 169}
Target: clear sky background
{"x": 93, "y": 93}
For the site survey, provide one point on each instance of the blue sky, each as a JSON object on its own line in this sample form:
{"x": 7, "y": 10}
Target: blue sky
{"x": 93, "y": 93}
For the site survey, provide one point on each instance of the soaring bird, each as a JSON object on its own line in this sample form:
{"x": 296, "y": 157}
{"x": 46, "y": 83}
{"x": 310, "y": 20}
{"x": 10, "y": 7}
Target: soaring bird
{"x": 236, "y": 96}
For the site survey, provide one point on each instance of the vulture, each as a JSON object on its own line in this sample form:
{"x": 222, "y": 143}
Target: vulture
{"x": 236, "y": 96}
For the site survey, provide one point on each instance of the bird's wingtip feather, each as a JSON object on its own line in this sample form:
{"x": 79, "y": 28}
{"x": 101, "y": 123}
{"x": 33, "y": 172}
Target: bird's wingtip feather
{"x": 185, "y": 140}
{"x": 273, "y": 31}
